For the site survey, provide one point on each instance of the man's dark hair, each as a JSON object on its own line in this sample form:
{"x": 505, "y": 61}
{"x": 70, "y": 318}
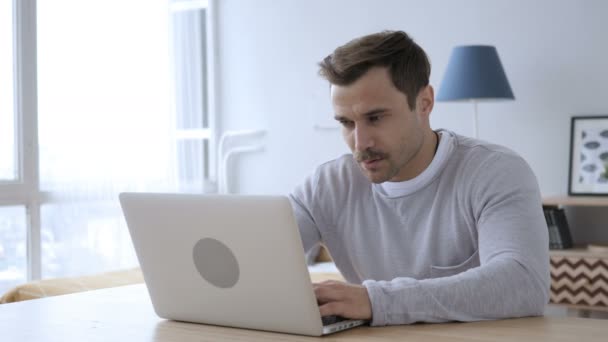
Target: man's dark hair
{"x": 407, "y": 63}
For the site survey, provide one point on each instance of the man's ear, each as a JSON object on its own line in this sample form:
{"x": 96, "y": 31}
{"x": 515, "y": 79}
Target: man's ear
{"x": 425, "y": 101}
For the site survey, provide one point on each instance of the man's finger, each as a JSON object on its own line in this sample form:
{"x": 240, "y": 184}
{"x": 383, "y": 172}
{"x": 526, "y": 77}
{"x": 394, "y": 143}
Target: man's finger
{"x": 326, "y": 282}
{"x": 332, "y": 308}
{"x": 326, "y": 293}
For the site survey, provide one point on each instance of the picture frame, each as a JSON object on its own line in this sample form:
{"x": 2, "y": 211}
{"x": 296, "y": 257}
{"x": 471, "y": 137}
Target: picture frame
{"x": 588, "y": 174}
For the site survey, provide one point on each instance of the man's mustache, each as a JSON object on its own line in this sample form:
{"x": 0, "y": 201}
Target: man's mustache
{"x": 369, "y": 154}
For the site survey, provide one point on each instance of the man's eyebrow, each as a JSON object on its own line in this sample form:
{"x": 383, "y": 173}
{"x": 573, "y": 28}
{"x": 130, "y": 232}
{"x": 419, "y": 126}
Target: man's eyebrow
{"x": 375, "y": 112}
{"x": 340, "y": 118}
{"x": 367, "y": 114}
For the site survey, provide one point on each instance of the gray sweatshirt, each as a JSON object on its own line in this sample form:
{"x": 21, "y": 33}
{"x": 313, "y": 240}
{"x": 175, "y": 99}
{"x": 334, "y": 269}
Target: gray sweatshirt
{"x": 465, "y": 240}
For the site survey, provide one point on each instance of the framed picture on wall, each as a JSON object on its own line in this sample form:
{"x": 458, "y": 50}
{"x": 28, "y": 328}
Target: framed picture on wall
{"x": 588, "y": 156}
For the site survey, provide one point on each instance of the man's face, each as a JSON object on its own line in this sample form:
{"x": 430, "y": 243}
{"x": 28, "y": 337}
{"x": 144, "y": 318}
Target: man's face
{"x": 383, "y": 133}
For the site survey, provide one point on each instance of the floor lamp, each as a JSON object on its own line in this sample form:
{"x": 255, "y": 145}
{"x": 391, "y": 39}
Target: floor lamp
{"x": 474, "y": 73}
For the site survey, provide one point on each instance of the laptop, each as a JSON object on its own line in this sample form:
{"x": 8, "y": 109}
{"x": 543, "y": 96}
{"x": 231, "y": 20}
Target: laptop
{"x": 226, "y": 260}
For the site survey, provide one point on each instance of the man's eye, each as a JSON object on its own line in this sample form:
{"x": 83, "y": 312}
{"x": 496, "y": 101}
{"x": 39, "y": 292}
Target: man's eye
{"x": 346, "y": 124}
{"x": 374, "y": 118}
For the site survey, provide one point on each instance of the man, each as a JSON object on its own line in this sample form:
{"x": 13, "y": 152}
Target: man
{"x": 433, "y": 225}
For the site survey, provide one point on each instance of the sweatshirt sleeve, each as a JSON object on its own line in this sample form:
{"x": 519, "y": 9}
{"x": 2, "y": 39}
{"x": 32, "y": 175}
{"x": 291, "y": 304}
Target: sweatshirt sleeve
{"x": 513, "y": 277}
{"x": 302, "y": 202}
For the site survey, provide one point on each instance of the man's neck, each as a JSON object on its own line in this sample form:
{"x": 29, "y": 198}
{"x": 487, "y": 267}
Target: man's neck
{"x": 422, "y": 159}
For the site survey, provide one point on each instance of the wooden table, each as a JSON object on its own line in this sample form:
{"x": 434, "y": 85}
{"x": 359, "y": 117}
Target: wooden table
{"x": 125, "y": 314}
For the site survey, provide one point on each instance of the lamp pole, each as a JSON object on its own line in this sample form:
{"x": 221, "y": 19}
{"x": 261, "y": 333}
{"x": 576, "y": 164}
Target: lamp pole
{"x": 475, "y": 118}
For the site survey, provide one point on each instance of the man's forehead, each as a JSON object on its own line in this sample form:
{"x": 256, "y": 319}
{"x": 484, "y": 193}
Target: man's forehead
{"x": 347, "y": 102}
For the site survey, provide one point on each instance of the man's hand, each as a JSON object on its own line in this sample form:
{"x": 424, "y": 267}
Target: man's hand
{"x": 342, "y": 299}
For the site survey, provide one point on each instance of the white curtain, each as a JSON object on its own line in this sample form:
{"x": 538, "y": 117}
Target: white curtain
{"x": 188, "y": 50}
{"x": 106, "y": 125}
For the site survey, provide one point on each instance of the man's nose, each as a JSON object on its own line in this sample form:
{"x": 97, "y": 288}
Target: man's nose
{"x": 363, "y": 138}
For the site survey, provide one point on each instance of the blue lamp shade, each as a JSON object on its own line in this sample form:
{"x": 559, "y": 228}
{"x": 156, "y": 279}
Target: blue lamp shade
{"x": 474, "y": 72}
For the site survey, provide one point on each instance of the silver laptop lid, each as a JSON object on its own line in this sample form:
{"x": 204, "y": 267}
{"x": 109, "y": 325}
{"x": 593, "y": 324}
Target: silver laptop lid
{"x": 226, "y": 260}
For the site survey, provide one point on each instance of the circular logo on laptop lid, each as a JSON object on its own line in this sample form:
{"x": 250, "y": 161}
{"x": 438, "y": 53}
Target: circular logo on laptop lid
{"x": 216, "y": 263}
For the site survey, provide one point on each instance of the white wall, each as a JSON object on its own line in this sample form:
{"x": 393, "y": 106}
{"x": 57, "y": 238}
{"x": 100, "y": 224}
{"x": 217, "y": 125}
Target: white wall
{"x": 554, "y": 53}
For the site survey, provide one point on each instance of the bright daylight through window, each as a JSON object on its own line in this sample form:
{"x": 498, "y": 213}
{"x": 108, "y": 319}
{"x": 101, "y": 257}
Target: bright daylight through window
{"x": 12, "y": 247}
{"x": 13, "y": 253}
{"x": 105, "y": 124}
{"x": 8, "y": 167}
{"x": 119, "y": 87}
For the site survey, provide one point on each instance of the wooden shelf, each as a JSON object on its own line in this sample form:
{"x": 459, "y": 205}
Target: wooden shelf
{"x": 588, "y": 201}
{"x": 581, "y": 252}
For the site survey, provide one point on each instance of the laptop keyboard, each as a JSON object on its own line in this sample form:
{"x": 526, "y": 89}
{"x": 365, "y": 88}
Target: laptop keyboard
{"x": 327, "y": 320}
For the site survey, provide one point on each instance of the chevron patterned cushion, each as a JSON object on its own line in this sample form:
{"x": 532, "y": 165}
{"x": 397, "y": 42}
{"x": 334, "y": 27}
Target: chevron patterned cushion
{"x": 579, "y": 278}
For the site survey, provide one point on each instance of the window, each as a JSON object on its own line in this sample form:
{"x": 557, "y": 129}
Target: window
{"x": 104, "y": 125}
{"x": 12, "y": 246}
{"x": 120, "y": 107}
{"x": 8, "y": 166}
